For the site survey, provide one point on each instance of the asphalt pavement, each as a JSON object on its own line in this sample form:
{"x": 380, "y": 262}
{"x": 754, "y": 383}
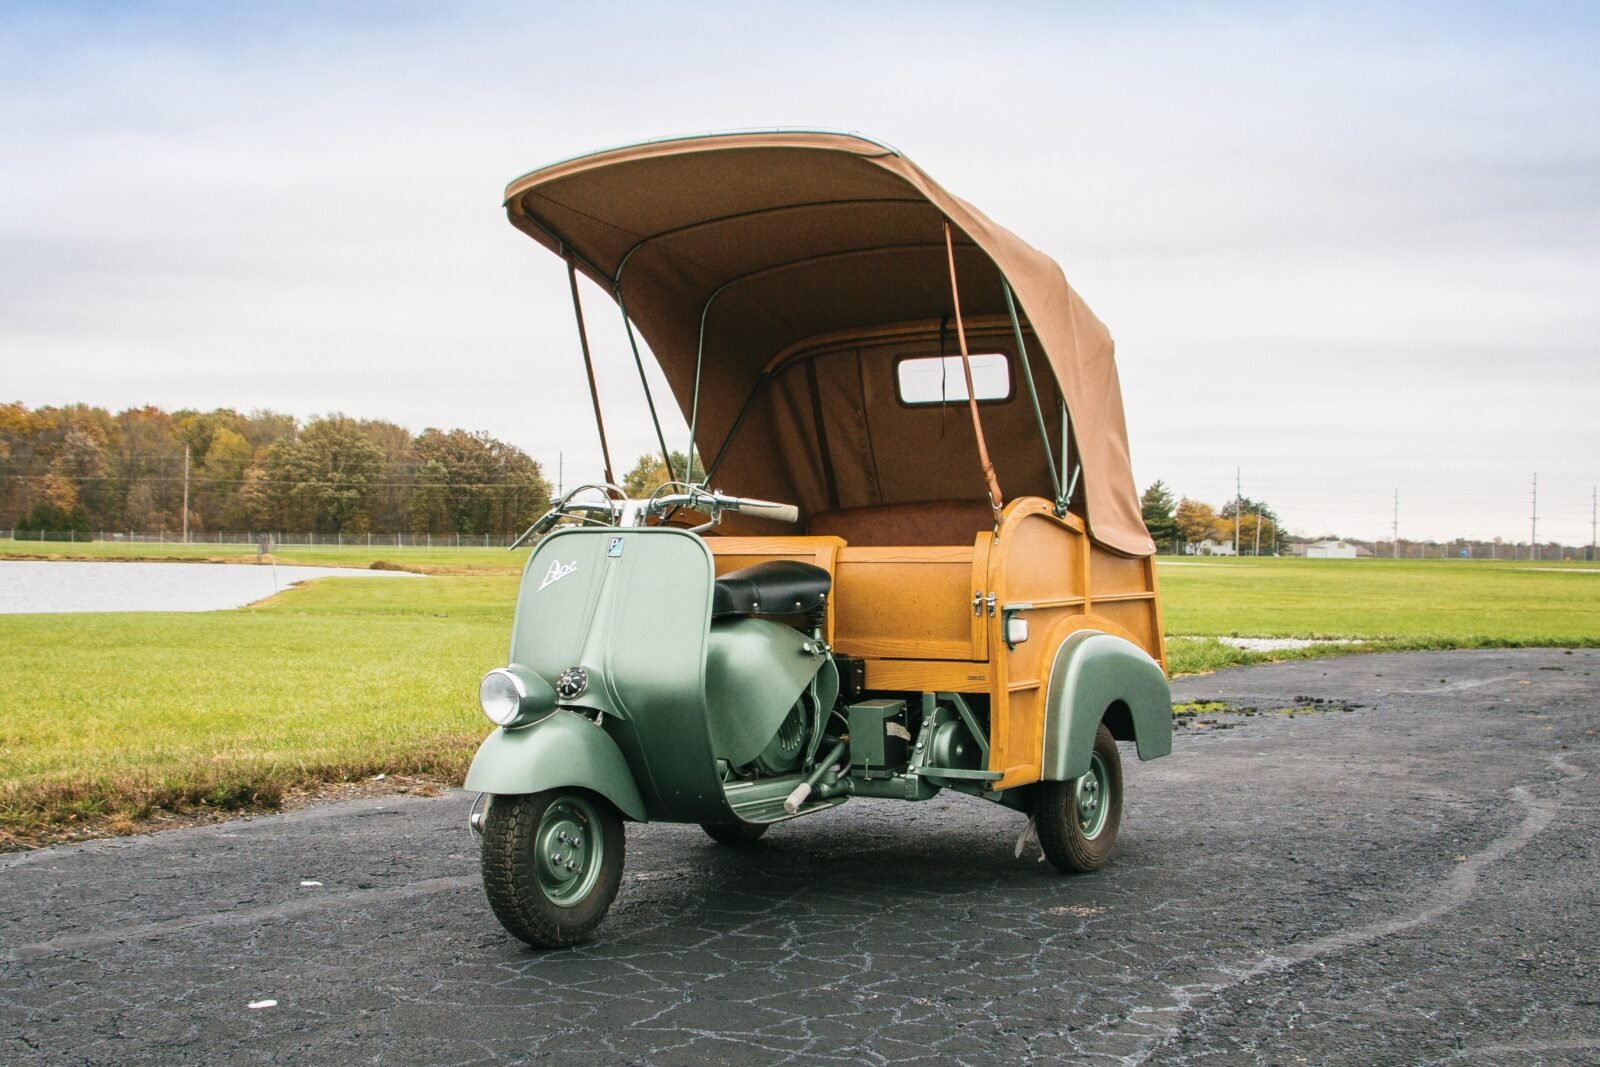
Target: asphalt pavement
{"x": 1402, "y": 871}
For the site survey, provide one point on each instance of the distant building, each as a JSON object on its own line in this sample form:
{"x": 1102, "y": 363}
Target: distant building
{"x": 1331, "y": 550}
{"x": 1209, "y": 547}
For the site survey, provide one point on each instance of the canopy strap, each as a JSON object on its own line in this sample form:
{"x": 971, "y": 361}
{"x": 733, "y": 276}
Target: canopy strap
{"x": 588, "y": 367}
{"x": 990, "y": 481}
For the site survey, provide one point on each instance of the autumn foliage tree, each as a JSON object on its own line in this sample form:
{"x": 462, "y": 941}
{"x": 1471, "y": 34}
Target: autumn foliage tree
{"x": 650, "y": 473}
{"x": 79, "y": 468}
{"x": 1195, "y": 520}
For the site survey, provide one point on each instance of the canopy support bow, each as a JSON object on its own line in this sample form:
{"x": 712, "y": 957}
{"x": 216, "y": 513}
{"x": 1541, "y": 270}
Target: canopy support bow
{"x": 588, "y": 367}
{"x": 992, "y": 484}
{"x": 1033, "y": 397}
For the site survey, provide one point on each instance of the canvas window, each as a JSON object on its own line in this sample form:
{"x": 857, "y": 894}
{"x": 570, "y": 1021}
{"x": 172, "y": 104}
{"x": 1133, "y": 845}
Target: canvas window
{"x": 941, "y": 380}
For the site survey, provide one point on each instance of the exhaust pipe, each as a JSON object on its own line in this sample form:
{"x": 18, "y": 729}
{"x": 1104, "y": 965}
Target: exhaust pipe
{"x": 803, "y": 790}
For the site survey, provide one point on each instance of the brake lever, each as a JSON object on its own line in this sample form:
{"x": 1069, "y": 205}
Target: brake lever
{"x": 530, "y": 531}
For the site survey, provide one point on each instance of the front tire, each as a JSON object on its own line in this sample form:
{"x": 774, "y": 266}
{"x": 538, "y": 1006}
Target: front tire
{"x": 552, "y": 863}
{"x": 1077, "y": 821}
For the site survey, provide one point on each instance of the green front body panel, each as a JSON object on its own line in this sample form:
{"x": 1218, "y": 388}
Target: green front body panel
{"x": 1092, "y": 672}
{"x": 632, "y": 607}
{"x": 562, "y": 749}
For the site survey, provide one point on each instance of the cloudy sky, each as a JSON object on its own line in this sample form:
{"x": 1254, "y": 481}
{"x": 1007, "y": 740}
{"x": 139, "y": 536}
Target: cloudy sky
{"x": 1350, "y": 249}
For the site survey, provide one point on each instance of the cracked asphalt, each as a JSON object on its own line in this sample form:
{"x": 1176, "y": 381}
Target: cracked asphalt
{"x": 1411, "y": 881}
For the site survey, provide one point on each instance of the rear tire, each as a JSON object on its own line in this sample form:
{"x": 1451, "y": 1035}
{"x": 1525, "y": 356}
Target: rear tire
{"x": 552, "y": 863}
{"x": 1077, "y": 821}
{"x": 735, "y": 834}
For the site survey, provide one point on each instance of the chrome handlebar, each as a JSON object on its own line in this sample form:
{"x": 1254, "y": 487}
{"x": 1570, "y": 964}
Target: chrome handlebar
{"x": 714, "y": 502}
{"x": 615, "y": 508}
{"x": 612, "y": 508}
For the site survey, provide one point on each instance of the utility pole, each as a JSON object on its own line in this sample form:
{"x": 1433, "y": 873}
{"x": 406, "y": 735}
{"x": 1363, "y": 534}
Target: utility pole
{"x": 1238, "y": 507}
{"x": 561, "y": 463}
{"x": 1395, "y": 534}
{"x": 1258, "y": 532}
{"x": 1533, "y": 531}
{"x": 185, "y": 494}
{"x": 1592, "y": 498}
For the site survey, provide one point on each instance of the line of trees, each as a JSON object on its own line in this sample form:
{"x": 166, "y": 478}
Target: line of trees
{"x": 81, "y": 468}
{"x": 1173, "y": 522}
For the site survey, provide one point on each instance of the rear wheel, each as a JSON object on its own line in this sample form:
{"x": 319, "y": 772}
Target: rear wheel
{"x": 552, "y": 863}
{"x": 1077, "y": 821}
{"x": 735, "y": 834}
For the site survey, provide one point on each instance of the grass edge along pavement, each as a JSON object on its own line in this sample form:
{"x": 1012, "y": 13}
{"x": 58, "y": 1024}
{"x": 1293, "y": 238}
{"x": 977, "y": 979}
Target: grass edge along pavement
{"x": 109, "y": 720}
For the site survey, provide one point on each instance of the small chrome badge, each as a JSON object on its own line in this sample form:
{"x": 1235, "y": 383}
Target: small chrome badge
{"x": 557, "y": 571}
{"x": 616, "y": 548}
{"x": 572, "y": 683}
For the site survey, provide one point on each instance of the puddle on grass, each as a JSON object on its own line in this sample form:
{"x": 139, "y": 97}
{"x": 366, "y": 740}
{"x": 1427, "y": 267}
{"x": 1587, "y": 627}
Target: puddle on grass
{"x": 33, "y": 587}
{"x": 1199, "y": 714}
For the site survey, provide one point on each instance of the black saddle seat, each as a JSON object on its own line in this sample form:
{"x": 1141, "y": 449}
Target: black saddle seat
{"x": 776, "y": 587}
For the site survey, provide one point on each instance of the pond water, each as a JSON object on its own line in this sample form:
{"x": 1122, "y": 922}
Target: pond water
{"x": 31, "y": 587}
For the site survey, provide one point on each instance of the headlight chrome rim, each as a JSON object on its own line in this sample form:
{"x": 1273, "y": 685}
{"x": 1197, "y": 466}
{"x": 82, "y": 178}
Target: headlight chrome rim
{"x": 514, "y": 696}
{"x": 500, "y": 695}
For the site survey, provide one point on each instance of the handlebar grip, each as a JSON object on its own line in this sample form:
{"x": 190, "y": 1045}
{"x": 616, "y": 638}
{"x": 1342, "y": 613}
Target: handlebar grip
{"x": 766, "y": 509}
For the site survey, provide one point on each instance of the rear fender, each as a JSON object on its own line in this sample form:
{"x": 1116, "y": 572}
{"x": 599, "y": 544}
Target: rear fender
{"x": 562, "y": 749}
{"x": 1095, "y": 674}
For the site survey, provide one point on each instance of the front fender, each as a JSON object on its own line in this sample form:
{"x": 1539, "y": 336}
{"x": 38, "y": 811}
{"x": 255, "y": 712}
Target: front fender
{"x": 562, "y": 749}
{"x": 1094, "y": 672}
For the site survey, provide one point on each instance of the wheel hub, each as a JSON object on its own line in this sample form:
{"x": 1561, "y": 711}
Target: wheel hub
{"x": 567, "y": 851}
{"x": 1088, "y": 794}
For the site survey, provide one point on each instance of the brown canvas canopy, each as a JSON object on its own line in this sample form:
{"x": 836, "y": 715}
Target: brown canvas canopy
{"x": 803, "y": 256}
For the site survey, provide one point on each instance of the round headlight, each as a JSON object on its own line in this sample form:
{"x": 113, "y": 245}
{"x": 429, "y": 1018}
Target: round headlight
{"x": 501, "y": 694}
{"x": 514, "y": 696}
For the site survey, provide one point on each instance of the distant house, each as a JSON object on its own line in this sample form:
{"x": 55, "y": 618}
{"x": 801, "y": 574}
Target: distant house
{"x": 1330, "y": 550}
{"x": 1209, "y": 547}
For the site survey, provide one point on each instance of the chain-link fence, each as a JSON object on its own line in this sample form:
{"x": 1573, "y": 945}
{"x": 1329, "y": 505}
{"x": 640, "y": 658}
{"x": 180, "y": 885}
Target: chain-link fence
{"x": 284, "y": 540}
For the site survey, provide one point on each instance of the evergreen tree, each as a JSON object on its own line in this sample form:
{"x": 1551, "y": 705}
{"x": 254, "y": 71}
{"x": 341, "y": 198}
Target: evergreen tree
{"x": 1157, "y": 505}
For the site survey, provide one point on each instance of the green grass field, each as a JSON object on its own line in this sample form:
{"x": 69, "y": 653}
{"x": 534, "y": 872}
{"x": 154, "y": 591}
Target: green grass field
{"x": 1445, "y": 600}
{"x": 1385, "y": 605}
{"x": 104, "y": 717}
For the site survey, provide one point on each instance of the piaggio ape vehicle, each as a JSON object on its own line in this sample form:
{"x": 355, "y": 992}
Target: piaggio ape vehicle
{"x": 845, "y": 336}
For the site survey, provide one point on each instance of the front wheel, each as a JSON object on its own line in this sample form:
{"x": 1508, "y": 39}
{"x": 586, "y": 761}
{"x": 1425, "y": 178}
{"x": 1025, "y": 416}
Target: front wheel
{"x": 1077, "y": 821}
{"x": 552, "y": 863}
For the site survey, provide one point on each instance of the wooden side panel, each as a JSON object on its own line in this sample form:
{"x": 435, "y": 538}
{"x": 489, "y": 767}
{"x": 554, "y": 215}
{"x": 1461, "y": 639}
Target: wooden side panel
{"x": 1134, "y": 617}
{"x": 1160, "y": 625}
{"x": 1038, "y": 558}
{"x": 905, "y": 603}
{"x": 1124, "y": 591}
{"x": 927, "y": 676}
{"x": 1038, "y": 561}
{"x": 981, "y": 618}
{"x": 731, "y": 553}
{"x": 1112, "y": 574}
